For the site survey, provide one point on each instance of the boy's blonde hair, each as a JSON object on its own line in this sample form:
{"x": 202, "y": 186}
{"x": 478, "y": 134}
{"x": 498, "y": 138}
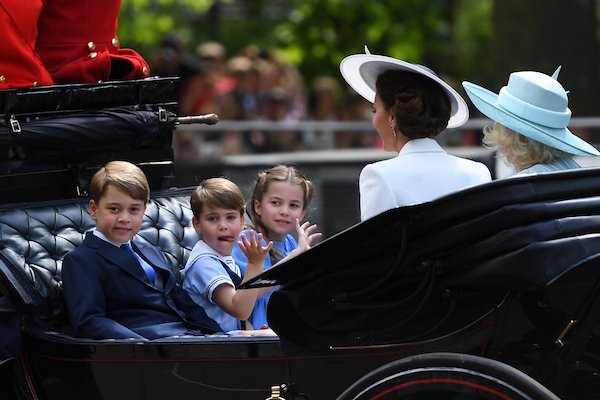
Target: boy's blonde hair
{"x": 217, "y": 193}
{"x": 124, "y": 175}
{"x": 523, "y": 151}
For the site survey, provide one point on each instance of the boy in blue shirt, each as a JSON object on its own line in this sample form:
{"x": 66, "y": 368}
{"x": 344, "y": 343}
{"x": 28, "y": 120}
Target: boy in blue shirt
{"x": 211, "y": 275}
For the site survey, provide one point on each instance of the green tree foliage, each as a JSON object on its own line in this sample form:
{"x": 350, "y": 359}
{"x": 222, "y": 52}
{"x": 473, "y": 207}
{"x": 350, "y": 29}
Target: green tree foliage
{"x": 320, "y": 33}
{"x": 564, "y": 34}
{"x": 450, "y": 36}
{"x": 144, "y": 23}
{"x": 235, "y": 23}
{"x": 472, "y": 37}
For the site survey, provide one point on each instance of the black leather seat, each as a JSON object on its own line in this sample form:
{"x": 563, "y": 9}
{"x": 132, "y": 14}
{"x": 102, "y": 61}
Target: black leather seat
{"x": 34, "y": 238}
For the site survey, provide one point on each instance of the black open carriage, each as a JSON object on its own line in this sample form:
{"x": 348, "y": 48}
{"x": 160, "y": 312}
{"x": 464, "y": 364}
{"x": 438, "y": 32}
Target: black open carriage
{"x": 491, "y": 292}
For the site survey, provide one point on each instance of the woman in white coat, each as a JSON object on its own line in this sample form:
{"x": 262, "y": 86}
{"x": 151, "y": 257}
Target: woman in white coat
{"x": 411, "y": 106}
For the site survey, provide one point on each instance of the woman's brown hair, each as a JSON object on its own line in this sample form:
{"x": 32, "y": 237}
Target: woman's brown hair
{"x": 420, "y": 106}
{"x": 278, "y": 173}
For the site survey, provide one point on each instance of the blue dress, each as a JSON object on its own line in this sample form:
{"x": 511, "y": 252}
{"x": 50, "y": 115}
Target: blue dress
{"x": 559, "y": 164}
{"x": 285, "y": 247}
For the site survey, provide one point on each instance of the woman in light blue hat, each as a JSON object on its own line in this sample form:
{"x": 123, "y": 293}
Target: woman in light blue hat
{"x": 530, "y": 117}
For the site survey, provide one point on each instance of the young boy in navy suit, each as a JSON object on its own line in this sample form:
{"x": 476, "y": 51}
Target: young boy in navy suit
{"x": 115, "y": 292}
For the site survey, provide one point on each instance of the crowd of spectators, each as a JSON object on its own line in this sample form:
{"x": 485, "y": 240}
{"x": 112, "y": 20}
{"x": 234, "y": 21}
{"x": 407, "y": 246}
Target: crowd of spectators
{"x": 255, "y": 85}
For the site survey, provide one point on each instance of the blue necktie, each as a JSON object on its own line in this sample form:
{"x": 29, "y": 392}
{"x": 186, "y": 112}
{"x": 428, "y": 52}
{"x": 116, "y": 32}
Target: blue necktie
{"x": 147, "y": 267}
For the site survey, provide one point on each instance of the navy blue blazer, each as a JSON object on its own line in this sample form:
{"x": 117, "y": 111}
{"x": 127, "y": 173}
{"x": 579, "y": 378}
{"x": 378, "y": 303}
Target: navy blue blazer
{"x": 109, "y": 296}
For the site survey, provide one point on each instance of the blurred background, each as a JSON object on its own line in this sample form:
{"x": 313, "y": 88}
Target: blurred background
{"x": 270, "y": 70}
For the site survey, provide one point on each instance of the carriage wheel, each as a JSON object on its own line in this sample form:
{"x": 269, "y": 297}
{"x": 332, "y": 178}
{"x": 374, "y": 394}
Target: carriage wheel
{"x": 446, "y": 376}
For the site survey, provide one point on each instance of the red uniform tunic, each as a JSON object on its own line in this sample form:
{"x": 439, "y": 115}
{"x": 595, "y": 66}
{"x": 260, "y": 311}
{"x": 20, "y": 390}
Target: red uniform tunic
{"x": 20, "y": 66}
{"x": 78, "y": 43}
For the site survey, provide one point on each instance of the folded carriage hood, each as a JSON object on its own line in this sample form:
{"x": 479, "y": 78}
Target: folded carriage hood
{"x": 423, "y": 271}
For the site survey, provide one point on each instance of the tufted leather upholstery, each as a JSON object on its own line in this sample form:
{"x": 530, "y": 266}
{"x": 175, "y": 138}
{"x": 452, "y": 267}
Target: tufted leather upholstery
{"x": 168, "y": 225}
{"x": 34, "y": 240}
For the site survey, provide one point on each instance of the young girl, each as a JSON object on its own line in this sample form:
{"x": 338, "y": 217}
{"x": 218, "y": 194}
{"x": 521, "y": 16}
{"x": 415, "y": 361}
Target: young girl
{"x": 279, "y": 202}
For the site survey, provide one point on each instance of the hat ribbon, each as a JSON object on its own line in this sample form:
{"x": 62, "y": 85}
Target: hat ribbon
{"x": 533, "y": 113}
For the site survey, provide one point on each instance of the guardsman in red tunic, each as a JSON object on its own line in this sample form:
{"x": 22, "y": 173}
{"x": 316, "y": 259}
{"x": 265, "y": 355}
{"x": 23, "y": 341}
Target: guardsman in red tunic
{"x": 20, "y": 66}
{"x": 78, "y": 43}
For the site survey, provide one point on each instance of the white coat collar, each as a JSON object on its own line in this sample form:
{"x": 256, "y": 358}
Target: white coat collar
{"x": 425, "y": 145}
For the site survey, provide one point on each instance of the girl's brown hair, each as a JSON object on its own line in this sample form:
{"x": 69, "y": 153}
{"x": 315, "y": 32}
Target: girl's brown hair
{"x": 278, "y": 173}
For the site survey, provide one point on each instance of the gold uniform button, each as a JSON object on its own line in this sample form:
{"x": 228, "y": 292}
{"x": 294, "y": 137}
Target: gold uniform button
{"x": 91, "y": 46}
{"x": 2, "y": 78}
{"x": 93, "y": 54}
{"x": 145, "y": 70}
{"x": 115, "y": 42}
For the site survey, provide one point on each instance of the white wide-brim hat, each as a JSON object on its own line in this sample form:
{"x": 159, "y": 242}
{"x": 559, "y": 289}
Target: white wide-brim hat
{"x": 362, "y": 70}
{"x": 535, "y": 105}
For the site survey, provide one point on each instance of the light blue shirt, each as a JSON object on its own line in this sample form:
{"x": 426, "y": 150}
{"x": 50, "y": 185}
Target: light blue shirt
{"x": 560, "y": 164}
{"x": 258, "y": 319}
{"x": 202, "y": 274}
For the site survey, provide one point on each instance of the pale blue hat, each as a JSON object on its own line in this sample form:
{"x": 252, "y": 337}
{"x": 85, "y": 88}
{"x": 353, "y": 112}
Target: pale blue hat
{"x": 535, "y": 105}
